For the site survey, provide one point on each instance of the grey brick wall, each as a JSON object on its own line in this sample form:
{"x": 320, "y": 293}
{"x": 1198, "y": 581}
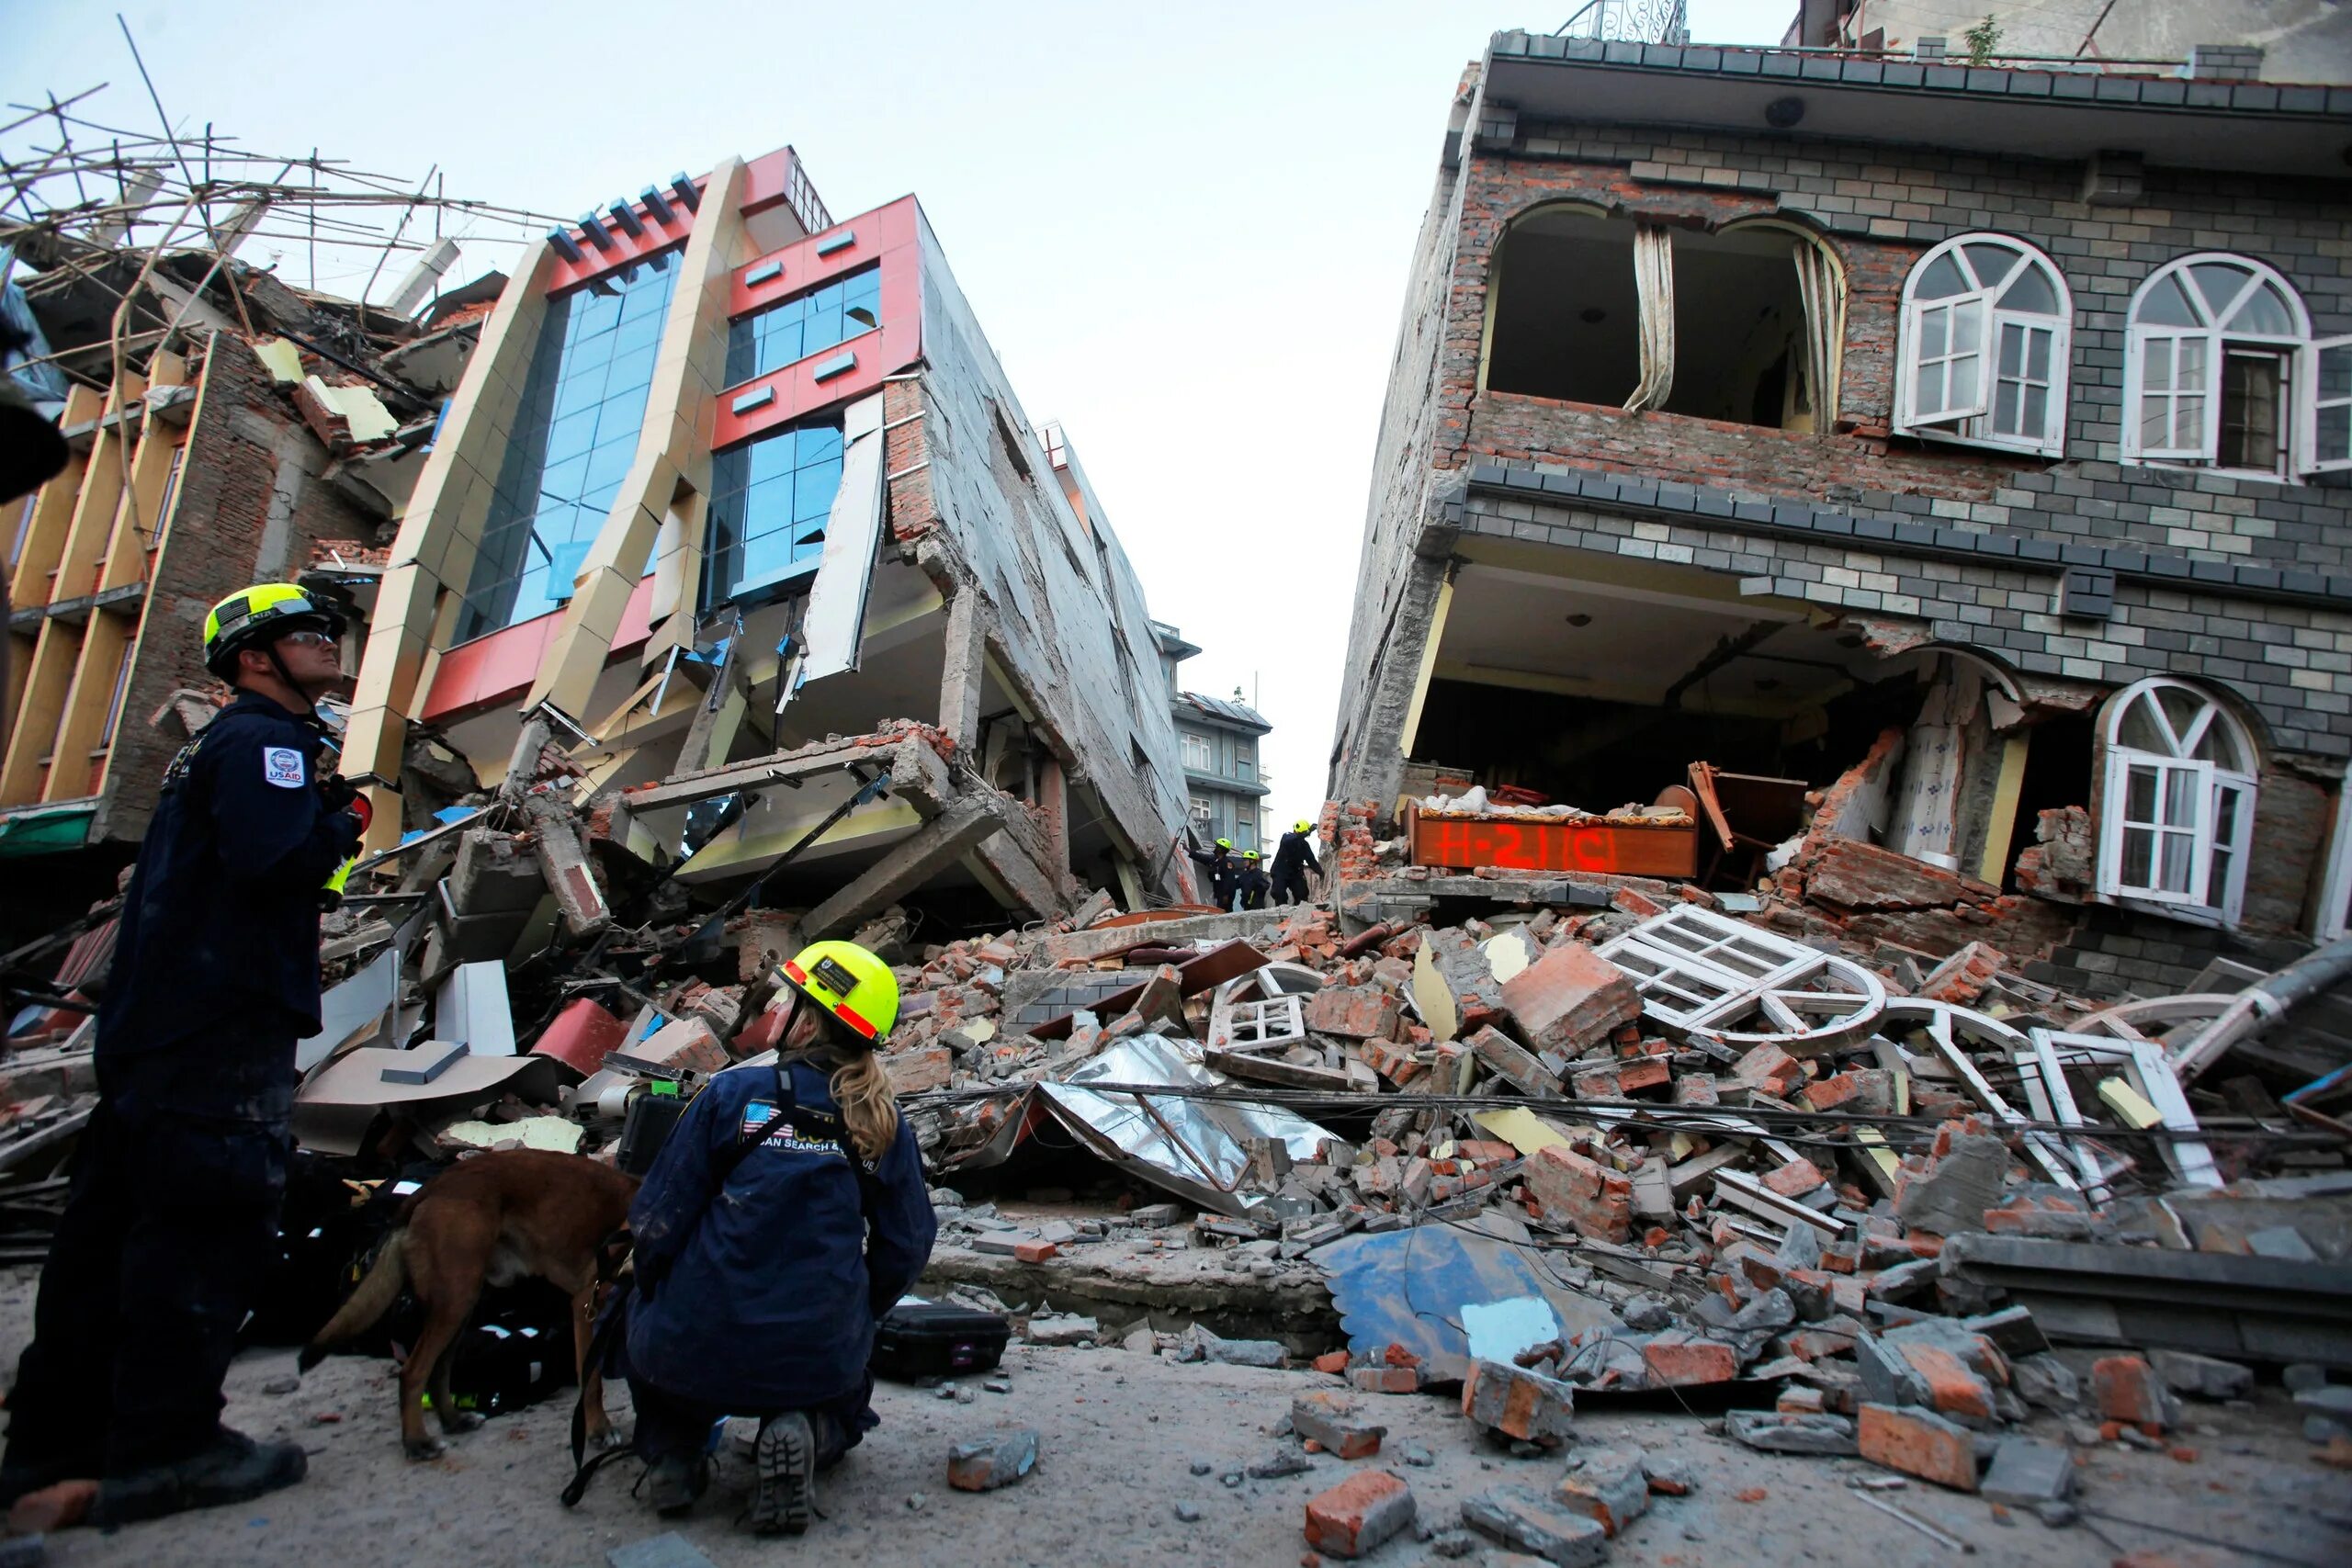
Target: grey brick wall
{"x": 2291, "y": 664}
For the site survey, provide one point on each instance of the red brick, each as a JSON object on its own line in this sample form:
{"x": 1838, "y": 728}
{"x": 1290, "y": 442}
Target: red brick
{"x": 1649, "y": 1072}
{"x": 1575, "y": 1191}
{"x": 1519, "y": 1404}
{"x": 1961, "y": 978}
{"x": 1918, "y": 1443}
{"x": 1795, "y": 1179}
{"x": 1571, "y": 998}
{"x": 1357, "y": 1513}
{"x": 1770, "y": 1068}
{"x": 1676, "y": 1359}
{"x": 1333, "y": 1421}
{"x": 1697, "y": 1089}
{"x": 1332, "y": 1361}
{"x": 1829, "y": 1094}
{"x": 1034, "y": 1251}
{"x": 1952, "y": 1389}
{"x": 2126, "y": 1389}
{"x": 1355, "y": 1013}
{"x": 1387, "y": 1380}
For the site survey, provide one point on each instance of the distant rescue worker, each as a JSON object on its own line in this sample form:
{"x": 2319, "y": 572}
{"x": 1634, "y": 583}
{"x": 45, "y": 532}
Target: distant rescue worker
{"x": 1293, "y": 858}
{"x": 173, "y": 1214}
{"x": 1225, "y": 869}
{"x": 1250, "y": 887}
{"x": 783, "y": 1217}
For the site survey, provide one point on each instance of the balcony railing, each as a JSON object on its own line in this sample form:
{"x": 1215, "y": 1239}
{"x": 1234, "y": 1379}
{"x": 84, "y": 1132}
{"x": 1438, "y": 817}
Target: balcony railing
{"x": 1630, "y": 21}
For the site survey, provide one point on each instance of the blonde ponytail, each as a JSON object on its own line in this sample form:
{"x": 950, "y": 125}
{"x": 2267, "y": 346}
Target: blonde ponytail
{"x": 862, "y": 1089}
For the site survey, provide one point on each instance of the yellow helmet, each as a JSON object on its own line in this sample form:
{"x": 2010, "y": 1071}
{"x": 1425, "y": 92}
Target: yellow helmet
{"x": 850, "y": 983}
{"x": 256, "y": 616}
{"x": 1225, "y": 843}
{"x": 1302, "y": 826}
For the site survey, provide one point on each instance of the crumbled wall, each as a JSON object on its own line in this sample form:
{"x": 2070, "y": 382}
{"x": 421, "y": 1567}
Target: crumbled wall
{"x": 249, "y": 507}
{"x": 1061, "y": 610}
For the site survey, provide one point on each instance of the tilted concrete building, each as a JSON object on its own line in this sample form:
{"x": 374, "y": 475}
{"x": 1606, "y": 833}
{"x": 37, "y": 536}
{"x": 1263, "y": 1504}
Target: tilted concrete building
{"x": 741, "y": 493}
{"x": 1969, "y": 443}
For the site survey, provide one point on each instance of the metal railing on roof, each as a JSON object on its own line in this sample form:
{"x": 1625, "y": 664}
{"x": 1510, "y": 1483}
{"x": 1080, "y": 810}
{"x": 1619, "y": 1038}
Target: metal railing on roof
{"x": 1629, "y": 21}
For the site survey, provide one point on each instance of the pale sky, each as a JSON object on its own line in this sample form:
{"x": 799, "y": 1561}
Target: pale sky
{"x": 1185, "y": 228}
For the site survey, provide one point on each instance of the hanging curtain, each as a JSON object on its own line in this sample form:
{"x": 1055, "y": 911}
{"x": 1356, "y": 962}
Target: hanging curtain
{"x": 1926, "y": 818}
{"x": 1817, "y": 285}
{"x": 1654, "y": 280}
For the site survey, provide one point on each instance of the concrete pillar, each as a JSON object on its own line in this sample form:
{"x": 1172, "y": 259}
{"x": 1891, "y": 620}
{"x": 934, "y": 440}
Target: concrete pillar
{"x": 914, "y": 861}
{"x": 1052, "y": 799}
{"x": 966, "y": 670}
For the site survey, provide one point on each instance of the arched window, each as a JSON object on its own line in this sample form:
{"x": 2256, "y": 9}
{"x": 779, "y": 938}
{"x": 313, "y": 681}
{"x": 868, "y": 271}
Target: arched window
{"x": 1986, "y": 328}
{"x": 2217, "y": 357}
{"x": 2178, "y": 803}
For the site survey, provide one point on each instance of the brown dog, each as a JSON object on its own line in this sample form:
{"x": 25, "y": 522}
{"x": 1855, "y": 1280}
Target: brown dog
{"x": 489, "y": 1220}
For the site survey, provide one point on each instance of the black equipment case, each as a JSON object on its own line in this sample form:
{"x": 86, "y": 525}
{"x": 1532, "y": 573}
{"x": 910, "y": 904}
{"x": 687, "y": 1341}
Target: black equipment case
{"x": 918, "y": 1339}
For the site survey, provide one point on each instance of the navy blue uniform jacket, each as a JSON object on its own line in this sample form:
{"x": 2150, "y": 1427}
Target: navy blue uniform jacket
{"x": 1222, "y": 872}
{"x": 1294, "y": 854}
{"x": 221, "y": 923}
{"x": 765, "y": 1294}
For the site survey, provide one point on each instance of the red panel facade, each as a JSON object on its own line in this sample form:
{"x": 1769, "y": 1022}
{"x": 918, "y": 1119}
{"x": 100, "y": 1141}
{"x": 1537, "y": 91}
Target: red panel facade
{"x": 499, "y": 668}
{"x": 887, "y": 234}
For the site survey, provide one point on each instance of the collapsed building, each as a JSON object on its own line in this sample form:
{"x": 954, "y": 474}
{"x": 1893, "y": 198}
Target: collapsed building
{"x": 741, "y": 493}
{"x": 1917, "y": 488}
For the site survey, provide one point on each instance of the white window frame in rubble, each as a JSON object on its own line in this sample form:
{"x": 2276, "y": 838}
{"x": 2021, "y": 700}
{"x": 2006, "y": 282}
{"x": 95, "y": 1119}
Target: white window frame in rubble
{"x": 2198, "y": 762}
{"x": 1973, "y": 327}
{"x": 2185, "y": 363}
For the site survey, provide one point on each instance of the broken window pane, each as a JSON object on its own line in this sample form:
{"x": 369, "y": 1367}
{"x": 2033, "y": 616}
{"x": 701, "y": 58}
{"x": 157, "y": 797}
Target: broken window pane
{"x": 769, "y": 504}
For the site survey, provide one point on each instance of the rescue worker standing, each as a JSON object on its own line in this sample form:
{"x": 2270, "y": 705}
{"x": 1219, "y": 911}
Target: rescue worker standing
{"x": 173, "y": 1214}
{"x": 1250, "y": 887}
{"x": 1224, "y": 868}
{"x": 783, "y": 1217}
{"x": 1293, "y": 858}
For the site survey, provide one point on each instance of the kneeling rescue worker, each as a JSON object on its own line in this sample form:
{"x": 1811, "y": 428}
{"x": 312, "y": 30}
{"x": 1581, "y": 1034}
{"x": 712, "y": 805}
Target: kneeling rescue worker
{"x": 783, "y": 1216}
{"x": 173, "y": 1214}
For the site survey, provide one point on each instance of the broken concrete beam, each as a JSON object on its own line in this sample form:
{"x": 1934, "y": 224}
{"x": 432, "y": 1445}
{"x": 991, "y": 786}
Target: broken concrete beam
{"x": 1335, "y": 1423}
{"x": 1918, "y": 1442}
{"x": 905, "y": 866}
{"x": 1571, "y": 998}
{"x": 1525, "y": 1520}
{"x": 1103, "y": 942}
{"x": 998, "y": 1460}
{"x": 1580, "y": 1193}
{"x": 1359, "y": 1514}
{"x": 1519, "y": 1404}
{"x": 1504, "y": 1056}
{"x": 1607, "y": 1486}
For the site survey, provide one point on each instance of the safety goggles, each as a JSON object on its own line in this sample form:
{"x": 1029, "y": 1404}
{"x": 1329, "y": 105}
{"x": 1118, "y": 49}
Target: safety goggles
{"x": 309, "y": 639}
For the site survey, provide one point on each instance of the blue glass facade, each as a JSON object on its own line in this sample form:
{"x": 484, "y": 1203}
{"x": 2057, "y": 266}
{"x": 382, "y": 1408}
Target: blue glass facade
{"x": 798, "y": 328}
{"x": 768, "y": 505}
{"x": 576, "y": 426}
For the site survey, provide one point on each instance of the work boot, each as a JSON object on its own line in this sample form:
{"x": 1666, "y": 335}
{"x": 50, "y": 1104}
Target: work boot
{"x": 786, "y": 1459}
{"x": 674, "y": 1482}
{"x": 232, "y": 1468}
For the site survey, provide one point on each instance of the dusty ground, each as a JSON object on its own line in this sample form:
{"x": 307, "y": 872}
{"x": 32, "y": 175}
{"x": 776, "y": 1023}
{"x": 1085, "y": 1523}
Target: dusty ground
{"x": 1122, "y": 1433}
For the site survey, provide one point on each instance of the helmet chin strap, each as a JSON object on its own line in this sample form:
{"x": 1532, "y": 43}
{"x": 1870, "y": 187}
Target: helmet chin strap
{"x": 309, "y": 706}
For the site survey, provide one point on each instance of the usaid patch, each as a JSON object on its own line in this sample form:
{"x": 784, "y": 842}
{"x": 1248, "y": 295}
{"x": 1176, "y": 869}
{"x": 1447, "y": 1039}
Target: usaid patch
{"x": 282, "y": 765}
